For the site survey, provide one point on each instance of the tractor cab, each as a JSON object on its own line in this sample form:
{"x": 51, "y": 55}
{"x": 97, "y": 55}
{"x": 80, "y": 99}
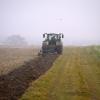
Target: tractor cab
{"x": 52, "y": 38}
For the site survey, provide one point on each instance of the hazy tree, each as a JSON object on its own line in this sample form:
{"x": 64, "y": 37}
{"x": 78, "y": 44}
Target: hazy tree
{"x": 16, "y": 40}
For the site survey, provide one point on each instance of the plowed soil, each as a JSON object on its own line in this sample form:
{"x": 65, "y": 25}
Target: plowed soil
{"x": 14, "y": 84}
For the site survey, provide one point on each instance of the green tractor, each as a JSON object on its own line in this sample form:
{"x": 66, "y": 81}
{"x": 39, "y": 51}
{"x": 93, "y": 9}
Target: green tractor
{"x": 52, "y": 43}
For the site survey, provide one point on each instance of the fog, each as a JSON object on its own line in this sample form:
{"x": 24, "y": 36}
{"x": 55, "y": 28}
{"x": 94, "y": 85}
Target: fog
{"x": 78, "y": 20}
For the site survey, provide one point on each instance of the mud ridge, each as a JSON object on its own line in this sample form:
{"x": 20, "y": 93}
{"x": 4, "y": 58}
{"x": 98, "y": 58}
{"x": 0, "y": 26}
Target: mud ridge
{"x": 14, "y": 84}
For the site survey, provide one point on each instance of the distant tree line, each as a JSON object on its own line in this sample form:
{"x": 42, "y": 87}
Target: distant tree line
{"x": 16, "y": 40}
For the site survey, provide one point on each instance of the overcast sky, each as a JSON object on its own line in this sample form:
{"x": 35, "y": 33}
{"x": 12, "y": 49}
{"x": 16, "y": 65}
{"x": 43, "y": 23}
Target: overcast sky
{"x": 79, "y": 20}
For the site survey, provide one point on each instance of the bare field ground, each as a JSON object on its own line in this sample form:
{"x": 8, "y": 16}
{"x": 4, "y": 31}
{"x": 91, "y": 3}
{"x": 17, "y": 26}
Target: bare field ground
{"x": 11, "y": 58}
{"x": 75, "y": 75}
{"x": 19, "y": 67}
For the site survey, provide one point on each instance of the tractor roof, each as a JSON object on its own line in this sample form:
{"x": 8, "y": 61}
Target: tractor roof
{"x": 52, "y": 34}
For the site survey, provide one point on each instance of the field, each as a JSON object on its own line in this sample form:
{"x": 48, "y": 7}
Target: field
{"x": 11, "y": 58}
{"x": 75, "y": 75}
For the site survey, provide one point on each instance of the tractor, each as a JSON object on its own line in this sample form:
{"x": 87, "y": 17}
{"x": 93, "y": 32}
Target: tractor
{"x": 52, "y": 43}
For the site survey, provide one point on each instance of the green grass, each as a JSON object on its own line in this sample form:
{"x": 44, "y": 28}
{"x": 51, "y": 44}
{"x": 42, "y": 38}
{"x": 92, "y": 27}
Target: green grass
{"x": 75, "y": 75}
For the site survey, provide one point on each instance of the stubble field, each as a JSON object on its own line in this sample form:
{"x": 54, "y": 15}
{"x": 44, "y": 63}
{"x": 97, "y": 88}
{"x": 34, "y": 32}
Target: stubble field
{"x": 12, "y": 58}
{"x": 75, "y": 75}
